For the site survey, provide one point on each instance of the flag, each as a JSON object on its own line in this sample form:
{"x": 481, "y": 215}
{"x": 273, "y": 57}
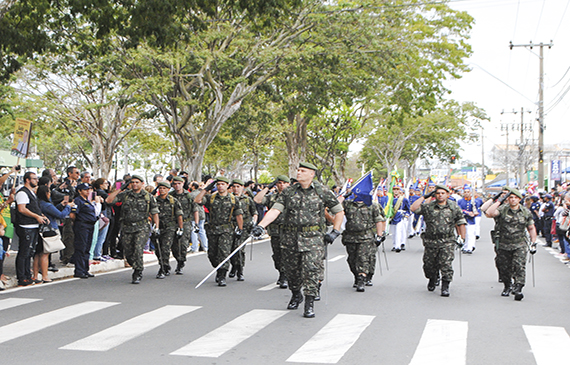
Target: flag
{"x": 345, "y": 187}
{"x": 363, "y": 189}
{"x": 389, "y": 209}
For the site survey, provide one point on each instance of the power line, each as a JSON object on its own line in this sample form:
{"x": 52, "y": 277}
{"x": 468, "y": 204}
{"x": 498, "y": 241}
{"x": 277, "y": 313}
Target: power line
{"x": 561, "y": 19}
{"x": 504, "y": 83}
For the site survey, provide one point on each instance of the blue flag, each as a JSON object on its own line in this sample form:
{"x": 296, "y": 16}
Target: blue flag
{"x": 363, "y": 189}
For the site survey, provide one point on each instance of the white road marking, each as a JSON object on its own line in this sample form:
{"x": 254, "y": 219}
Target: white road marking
{"x": 268, "y": 287}
{"x": 231, "y": 334}
{"x": 15, "y": 302}
{"x": 39, "y": 322}
{"x": 134, "y": 327}
{"x": 336, "y": 258}
{"x": 443, "y": 342}
{"x": 547, "y": 344}
{"x": 330, "y": 344}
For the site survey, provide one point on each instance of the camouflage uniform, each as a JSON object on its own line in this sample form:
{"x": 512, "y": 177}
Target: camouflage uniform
{"x": 170, "y": 209}
{"x": 220, "y": 229}
{"x": 249, "y": 210}
{"x": 135, "y": 229}
{"x": 439, "y": 237}
{"x": 274, "y": 231}
{"x": 358, "y": 236}
{"x": 512, "y": 247}
{"x": 303, "y": 228}
{"x": 181, "y": 244}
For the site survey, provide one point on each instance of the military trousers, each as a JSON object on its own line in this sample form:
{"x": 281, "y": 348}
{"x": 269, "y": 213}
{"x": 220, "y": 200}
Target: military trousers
{"x": 361, "y": 257}
{"x": 133, "y": 247}
{"x": 438, "y": 259}
{"x": 277, "y": 254}
{"x": 304, "y": 269}
{"x": 164, "y": 245}
{"x": 220, "y": 247}
{"x": 512, "y": 264}
{"x": 180, "y": 244}
{"x": 238, "y": 260}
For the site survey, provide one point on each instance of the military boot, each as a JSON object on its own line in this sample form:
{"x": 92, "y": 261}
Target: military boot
{"x": 355, "y": 281}
{"x": 318, "y": 296}
{"x": 517, "y": 291}
{"x": 282, "y": 281}
{"x": 507, "y": 289}
{"x": 160, "y": 274}
{"x": 369, "y": 280}
{"x": 239, "y": 274}
{"x": 432, "y": 283}
{"x": 221, "y": 278}
{"x": 309, "y": 304}
{"x": 232, "y": 271}
{"x": 445, "y": 288}
{"x": 137, "y": 277}
{"x": 360, "y": 283}
{"x": 179, "y": 268}
{"x": 296, "y": 299}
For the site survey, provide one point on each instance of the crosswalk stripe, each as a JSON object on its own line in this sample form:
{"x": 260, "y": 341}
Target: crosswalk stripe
{"x": 231, "y": 334}
{"x": 442, "y": 342}
{"x": 336, "y": 258}
{"x": 134, "y": 327}
{"x": 39, "y": 322}
{"x": 547, "y": 344}
{"x": 268, "y": 287}
{"x": 15, "y": 302}
{"x": 329, "y": 344}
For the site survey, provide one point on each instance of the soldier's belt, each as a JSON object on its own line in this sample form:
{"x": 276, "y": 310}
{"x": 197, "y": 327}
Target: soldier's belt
{"x": 301, "y": 228}
{"x": 352, "y": 231}
{"x": 439, "y": 236}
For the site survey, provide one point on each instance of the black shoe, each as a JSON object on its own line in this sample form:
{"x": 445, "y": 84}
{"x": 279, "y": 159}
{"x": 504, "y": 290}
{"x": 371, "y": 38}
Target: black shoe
{"x": 282, "y": 281}
{"x": 25, "y": 282}
{"x": 477, "y": 237}
{"x": 403, "y": 247}
{"x": 166, "y": 272}
{"x": 296, "y": 299}
{"x": 52, "y": 268}
{"x": 369, "y": 280}
{"x": 179, "y": 268}
{"x": 445, "y": 289}
{"x": 137, "y": 277}
{"x": 83, "y": 276}
{"x": 360, "y": 283}
{"x": 517, "y": 291}
{"x": 89, "y": 275}
{"x": 355, "y": 281}
{"x": 393, "y": 249}
{"x": 232, "y": 272}
{"x": 437, "y": 280}
{"x": 397, "y": 250}
{"x": 221, "y": 278}
{"x": 432, "y": 283}
{"x": 506, "y": 290}
{"x": 309, "y": 307}
{"x": 160, "y": 274}
{"x": 240, "y": 276}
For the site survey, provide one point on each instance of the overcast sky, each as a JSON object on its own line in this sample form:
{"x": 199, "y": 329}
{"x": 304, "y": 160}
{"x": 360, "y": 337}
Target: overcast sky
{"x": 502, "y": 79}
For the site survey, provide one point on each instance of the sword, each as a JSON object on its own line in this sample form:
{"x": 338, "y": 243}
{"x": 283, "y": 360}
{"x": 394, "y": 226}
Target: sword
{"x": 223, "y": 262}
{"x": 379, "y": 260}
{"x": 460, "y": 262}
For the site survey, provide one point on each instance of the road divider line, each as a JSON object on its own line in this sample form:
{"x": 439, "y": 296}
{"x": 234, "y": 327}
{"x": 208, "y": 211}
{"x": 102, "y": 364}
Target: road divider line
{"x": 128, "y": 330}
{"x": 547, "y": 344}
{"x": 15, "y": 302}
{"x": 330, "y": 344}
{"x": 336, "y": 258}
{"x": 228, "y": 336}
{"x": 42, "y": 321}
{"x": 442, "y": 342}
{"x": 268, "y": 287}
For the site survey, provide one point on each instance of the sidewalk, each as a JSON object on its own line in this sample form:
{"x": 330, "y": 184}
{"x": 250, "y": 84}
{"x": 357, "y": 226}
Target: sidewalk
{"x": 67, "y": 272}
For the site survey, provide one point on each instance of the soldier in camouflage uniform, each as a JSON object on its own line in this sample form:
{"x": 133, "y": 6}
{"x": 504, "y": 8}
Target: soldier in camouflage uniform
{"x": 181, "y": 242}
{"x": 513, "y": 220}
{"x": 171, "y": 225}
{"x": 274, "y": 229}
{"x": 136, "y": 207}
{"x": 303, "y": 206}
{"x": 365, "y": 225}
{"x": 223, "y": 206}
{"x": 249, "y": 218}
{"x": 442, "y": 218}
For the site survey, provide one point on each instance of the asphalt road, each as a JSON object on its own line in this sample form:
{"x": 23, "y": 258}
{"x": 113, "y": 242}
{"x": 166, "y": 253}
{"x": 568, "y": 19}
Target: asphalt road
{"x": 397, "y": 321}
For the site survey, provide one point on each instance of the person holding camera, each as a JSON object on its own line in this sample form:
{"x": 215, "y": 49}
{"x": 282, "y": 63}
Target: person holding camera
{"x": 137, "y": 205}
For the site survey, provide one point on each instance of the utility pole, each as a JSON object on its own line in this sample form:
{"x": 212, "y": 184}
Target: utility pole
{"x": 540, "y": 107}
{"x": 522, "y": 144}
{"x": 505, "y": 127}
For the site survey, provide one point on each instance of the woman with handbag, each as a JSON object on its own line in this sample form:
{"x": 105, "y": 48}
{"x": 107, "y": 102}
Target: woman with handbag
{"x": 54, "y": 214}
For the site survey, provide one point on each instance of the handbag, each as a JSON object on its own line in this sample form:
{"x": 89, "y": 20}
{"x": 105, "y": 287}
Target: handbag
{"x": 51, "y": 238}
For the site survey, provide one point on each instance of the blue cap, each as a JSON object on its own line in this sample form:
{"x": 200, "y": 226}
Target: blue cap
{"x": 83, "y": 186}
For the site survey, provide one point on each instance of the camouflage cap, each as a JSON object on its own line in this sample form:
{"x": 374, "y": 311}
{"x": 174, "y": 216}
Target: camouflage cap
{"x": 308, "y": 165}
{"x": 442, "y": 187}
{"x": 177, "y": 178}
{"x": 516, "y": 192}
{"x": 283, "y": 178}
{"x": 138, "y": 177}
{"x": 238, "y": 181}
{"x": 223, "y": 179}
{"x": 163, "y": 183}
